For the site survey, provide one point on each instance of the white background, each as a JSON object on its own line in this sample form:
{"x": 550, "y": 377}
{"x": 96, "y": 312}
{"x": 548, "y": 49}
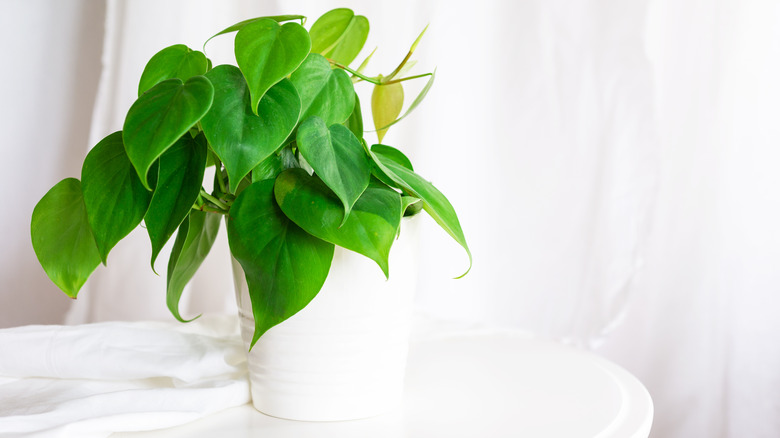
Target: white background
{"x": 614, "y": 165}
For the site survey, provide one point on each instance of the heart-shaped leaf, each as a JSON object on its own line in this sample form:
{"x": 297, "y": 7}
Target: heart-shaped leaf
{"x": 114, "y": 197}
{"x": 285, "y": 267}
{"x": 177, "y": 61}
{"x": 179, "y": 179}
{"x": 160, "y": 116}
{"x": 267, "y": 52}
{"x": 241, "y": 24}
{"x": 240, "y": 138}
{"x": 370, "y": 229}
{"x": 434, "y": 202}
{"x": 62, "y": 238}
{"x": 339, "y": 34}
{"x": 193, "y": 242}
{"x": 387, "y": 101}
{"x": 338, "y": 158}
{"x": 325, "y": 92}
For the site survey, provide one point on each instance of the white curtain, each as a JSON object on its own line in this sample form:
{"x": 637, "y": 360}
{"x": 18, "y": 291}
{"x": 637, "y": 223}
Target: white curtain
{"x": 613, "y": 163}
{"x": 702, "y": 330}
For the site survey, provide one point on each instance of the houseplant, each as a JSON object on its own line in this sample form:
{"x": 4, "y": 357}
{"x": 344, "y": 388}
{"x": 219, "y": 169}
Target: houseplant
{"x": 293, "y": 175}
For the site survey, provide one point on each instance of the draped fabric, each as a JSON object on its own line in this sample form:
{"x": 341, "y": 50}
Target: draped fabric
{"x": 613, "y": 165}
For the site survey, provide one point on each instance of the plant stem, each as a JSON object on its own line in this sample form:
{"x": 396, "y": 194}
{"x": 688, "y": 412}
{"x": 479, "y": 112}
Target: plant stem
{"x": 395, "y": 81}
{"x": 220, "y": 175}
{"x": 214, "y": 200}
{"x": 355, "y": 73}
{"x": 400, "y": 66}
{"x": 208, "y": 209}
{"x": 408, "y": 55}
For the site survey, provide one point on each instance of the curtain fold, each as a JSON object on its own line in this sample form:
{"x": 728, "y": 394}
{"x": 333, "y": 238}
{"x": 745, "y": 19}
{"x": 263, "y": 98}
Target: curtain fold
{"x": 702, "y": 332}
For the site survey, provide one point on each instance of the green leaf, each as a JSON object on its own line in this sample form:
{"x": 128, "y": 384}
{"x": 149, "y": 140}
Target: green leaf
{"x": 114, "y": 197}
{"x": 415, "y": 103}
{"x": 387, "y": 101}
{"x": 160, "y": 116}
{"x": 180, "y": 176}
{"x": 325, "y": 92}
{"x": 240, "y": 138}
{"x": 355, "y": 120}
{"x": 411, "y": 205}
{"x": 269, "y": 168}
{"x": 267, "y": 52}
{"x": 193, "y": 242}
{"x": 288, "y": 158}
{"x": 339, "y": 35}
{"x": 370, "y": 229}
{"x": 285, "y": 267}
{"x": 241, "y": 24}
{"x": 177, "y": 61}
{"x": 337, "y": 157}
{"x": 393, "y": 154}
{"x": 211, "y": 158}
{"x": 62, "y": 238}
{"x": 434, "y": 202}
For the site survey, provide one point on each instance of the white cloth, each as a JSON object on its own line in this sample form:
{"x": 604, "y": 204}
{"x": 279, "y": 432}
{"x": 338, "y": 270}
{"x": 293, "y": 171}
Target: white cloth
{"x": 95, "y": 379}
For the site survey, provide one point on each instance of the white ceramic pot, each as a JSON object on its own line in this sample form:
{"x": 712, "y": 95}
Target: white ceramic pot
{"x": 343, "y": 356}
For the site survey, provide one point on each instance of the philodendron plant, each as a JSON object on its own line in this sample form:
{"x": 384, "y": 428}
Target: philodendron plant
{"x": 293, "y": 175}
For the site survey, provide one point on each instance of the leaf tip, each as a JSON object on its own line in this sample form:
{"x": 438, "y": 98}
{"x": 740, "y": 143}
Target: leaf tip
{"x": 346, "y": 216}
{"x": 255, "y": 338}
{"x": 417, "y": 41}
{"x": 467, "y": 270}
{"x": 71, "y": 293}
{"x": 190, "y": 320}
{"x": 145, "y": 181}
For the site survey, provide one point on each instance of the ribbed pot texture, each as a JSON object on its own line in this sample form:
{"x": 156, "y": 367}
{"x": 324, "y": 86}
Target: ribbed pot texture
{"x": 343, "y": 356}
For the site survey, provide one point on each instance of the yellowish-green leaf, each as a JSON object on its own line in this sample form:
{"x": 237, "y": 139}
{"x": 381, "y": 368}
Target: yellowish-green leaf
{"x": 339, "y": 35}
{"x": 387, "y": 101}
{"x": 365, "y": 62}
{"x": 415, "y": 103}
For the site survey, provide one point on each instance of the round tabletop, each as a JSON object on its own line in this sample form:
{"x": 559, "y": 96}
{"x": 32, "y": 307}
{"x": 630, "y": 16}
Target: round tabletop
{"x": 475, "y": 383}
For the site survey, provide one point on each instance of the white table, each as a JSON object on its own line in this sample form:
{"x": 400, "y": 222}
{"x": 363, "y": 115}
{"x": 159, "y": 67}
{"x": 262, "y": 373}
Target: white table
{"x": 475, "y": 383}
